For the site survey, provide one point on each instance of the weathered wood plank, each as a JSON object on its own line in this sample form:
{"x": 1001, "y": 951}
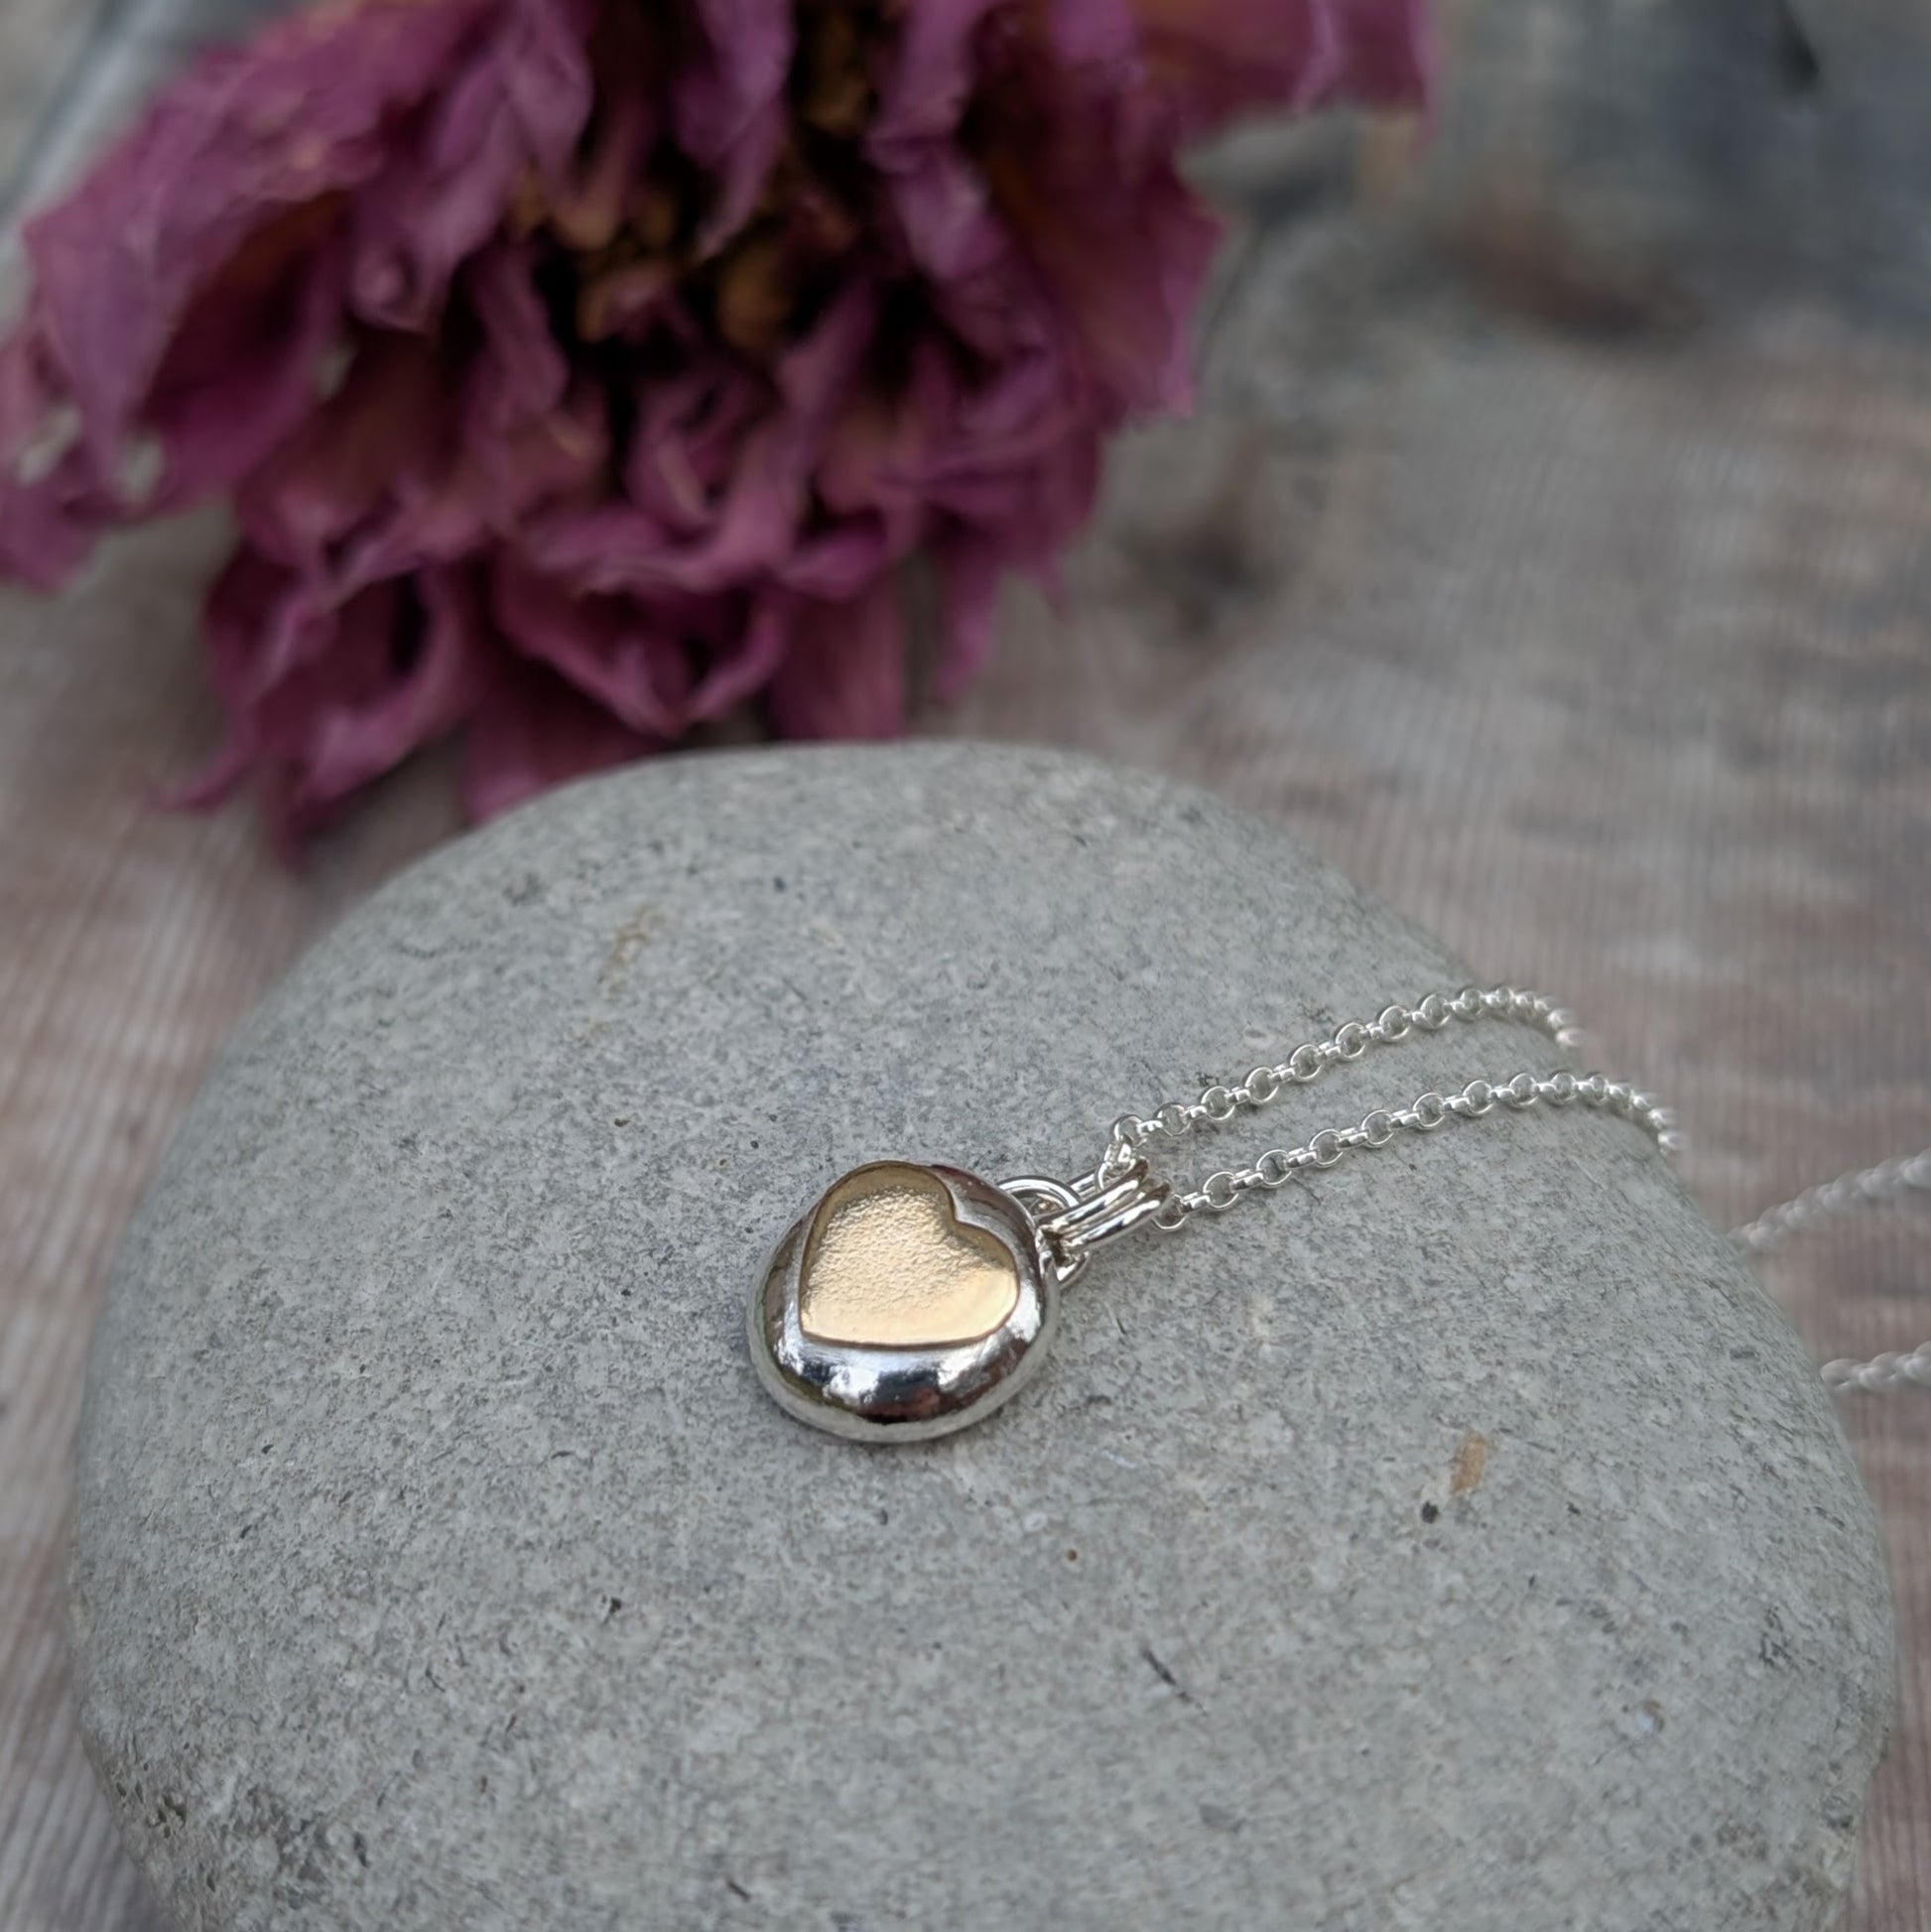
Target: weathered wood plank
{"x": 1554, "y": 552}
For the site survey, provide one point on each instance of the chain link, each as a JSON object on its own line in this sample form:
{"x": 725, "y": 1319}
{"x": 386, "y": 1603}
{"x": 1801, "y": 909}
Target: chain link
{"x": 1869, "y": 1186}
{"x": 1220, "y": 1102}
{"x": 1429, "y": 1113}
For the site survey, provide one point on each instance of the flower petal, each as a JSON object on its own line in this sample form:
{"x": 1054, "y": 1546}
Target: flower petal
{"x": 522, "y": 371}
{"x": 968, "y": 567}
{"x": 244, "y": 136}
{"x": 730, "y": 102}
{"x": 743, "y": 665}
{"x": 546, "y": 76}
{"x": 609, "y": 648}
{"x": 532, "y": 730}
{"x": 1093, "y": 191}
{"x": 844, "y": 676}
{"x": 321, "y": 699}
{"x": 50, "y": 504}
{"x": 1214, "y": 59}
{"x": 521, "y": 107}
{"x": 422, "y": 660}
{"x": 390, "y": 415}
{"x": 436, "y": 204}
{"x": 246, "y": 364}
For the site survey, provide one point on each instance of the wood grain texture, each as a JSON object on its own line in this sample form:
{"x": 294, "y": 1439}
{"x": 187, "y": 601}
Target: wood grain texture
{"x": 1553, "y": 551}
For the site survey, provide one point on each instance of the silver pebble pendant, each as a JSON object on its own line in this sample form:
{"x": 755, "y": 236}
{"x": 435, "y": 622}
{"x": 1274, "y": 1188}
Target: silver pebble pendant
{"x": 913, "y": 1300}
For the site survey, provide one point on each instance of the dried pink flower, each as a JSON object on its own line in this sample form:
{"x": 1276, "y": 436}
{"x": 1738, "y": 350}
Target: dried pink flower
{"x": 584, "y": 370}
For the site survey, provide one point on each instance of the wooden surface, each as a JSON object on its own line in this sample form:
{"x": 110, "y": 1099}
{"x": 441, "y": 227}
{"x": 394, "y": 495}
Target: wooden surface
{"x": 1553, "y": 552}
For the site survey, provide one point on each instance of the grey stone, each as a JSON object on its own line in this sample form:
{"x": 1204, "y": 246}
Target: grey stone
{"x": 1459, "y": 1541}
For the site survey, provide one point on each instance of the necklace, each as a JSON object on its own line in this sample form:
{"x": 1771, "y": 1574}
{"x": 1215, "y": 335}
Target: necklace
{"x": 914, "y": 1299}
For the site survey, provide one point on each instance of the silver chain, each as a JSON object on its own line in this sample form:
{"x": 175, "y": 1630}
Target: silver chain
{"x": 1220, "y": 1102}
{"x": 1871, "y": 1187}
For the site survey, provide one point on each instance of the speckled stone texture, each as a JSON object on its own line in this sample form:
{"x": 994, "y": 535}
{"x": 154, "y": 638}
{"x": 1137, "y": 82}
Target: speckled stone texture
{"x": 1459, "y": 1541}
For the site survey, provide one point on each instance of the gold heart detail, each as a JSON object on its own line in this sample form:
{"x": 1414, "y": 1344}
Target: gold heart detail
{"x": 888, "y": 1264}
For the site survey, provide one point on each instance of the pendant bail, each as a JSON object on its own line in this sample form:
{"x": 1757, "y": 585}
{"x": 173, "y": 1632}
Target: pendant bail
{"x": 1096, "y": 1207}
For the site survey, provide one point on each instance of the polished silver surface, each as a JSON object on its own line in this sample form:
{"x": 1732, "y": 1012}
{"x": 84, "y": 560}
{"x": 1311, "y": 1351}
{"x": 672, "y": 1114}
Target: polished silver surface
{"x": 907, "y": 1394}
